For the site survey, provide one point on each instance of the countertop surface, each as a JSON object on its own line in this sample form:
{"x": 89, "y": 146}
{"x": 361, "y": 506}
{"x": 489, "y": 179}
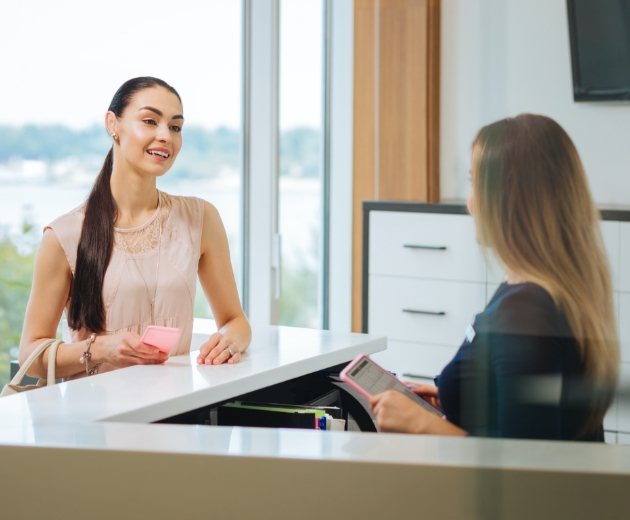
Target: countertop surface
{"x": 147, "y": 393}
{"x": 112, "y": 411}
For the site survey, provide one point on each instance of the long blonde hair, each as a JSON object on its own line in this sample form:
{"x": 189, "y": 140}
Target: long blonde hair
{"x": 533, "y": 208}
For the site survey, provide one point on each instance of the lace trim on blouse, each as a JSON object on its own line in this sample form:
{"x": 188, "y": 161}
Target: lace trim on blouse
{"x": 145, "y": 237}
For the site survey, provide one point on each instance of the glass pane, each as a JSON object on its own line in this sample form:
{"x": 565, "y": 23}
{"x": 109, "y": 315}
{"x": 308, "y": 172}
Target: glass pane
{"x": 300, "y": 189}
{"x": 65, "y": 62}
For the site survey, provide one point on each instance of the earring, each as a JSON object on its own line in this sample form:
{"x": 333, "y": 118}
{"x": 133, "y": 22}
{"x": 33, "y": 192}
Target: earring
{"x": 114, "y": 137}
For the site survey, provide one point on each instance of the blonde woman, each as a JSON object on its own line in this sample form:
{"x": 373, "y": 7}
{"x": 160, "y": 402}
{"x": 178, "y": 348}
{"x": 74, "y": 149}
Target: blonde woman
{"x": 541, "y": 361}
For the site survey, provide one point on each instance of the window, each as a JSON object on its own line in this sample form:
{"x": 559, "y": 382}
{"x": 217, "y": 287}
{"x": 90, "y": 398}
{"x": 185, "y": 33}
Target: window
{"x": 300, "y": 196}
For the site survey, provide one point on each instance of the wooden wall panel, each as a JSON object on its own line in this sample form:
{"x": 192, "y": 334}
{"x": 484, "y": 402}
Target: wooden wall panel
{"x": 433, "y": 100}
{"x": 402, "y": 101}
{"x": 396, "y": 110}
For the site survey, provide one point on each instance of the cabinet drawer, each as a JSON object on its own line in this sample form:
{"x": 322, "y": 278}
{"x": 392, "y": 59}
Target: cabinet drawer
{"x": 624, "y": 257}
{"x": 623, "y": 438}
{"x": 623, "y": 302}
{"x": 610, "y": 235}
{"x": 426, "y": 311}
{"x": 610, "y": 437}
{"x": 623, "y": 399}
{"x": 611, "y": 422}
{"x": 414, "y": 358}
{"x": 425, "y": 245}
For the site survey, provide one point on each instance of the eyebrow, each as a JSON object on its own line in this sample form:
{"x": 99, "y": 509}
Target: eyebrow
{"x": 159, "y": 112}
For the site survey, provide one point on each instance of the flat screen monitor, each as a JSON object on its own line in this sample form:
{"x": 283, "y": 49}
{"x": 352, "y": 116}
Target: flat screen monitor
{"x": 600, "y": 49}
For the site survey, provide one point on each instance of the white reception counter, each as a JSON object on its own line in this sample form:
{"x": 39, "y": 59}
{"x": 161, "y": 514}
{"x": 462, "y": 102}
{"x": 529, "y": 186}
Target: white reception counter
{"x": 85, "y": 448}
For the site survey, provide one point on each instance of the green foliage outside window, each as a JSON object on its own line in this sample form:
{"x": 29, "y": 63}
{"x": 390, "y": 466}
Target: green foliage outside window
{"x": 16, "y": 272}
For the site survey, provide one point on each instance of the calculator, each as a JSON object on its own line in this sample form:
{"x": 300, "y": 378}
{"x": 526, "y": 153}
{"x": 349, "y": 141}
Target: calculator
{"x": 369, "y": 378}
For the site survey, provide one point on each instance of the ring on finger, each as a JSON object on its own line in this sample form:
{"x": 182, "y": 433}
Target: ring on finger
{"x": 231, "y": 351}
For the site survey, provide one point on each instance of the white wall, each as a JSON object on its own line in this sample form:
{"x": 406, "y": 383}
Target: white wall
{"x": 505, "y": 57}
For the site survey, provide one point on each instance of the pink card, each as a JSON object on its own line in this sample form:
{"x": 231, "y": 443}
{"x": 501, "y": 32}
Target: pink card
{"x": 164, "y": 338}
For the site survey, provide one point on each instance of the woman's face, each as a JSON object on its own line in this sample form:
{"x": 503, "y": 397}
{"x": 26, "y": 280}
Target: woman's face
{"x": 149, "y": 131}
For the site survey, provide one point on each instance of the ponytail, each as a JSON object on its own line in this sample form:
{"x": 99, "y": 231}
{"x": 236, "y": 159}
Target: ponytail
{"x": 87, "y": 309}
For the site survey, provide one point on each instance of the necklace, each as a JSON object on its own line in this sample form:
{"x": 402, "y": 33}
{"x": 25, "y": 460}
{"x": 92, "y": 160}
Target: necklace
{"x": 157, "y": 264}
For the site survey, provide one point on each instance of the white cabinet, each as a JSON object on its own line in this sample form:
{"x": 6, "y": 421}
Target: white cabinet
{"x": 426, "y": 281}
{"x": 425, "y": 277}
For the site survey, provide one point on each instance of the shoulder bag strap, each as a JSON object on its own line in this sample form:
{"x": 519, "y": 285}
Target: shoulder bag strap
{"x": 52, "y": 362}
{"x": 37, "y": 351}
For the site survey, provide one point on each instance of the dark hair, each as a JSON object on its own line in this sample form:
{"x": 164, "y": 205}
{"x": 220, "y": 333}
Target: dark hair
{"x": 87, "y": 309}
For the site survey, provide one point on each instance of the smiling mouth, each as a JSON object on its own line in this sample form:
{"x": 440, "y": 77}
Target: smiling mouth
{"x": 157, "y": 153}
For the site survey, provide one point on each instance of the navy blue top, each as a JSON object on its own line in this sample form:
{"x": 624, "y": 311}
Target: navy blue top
{"x": 519, "y": 372}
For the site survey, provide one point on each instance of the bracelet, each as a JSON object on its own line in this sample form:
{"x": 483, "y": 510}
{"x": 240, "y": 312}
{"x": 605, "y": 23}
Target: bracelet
{"x": 87, "y": 356}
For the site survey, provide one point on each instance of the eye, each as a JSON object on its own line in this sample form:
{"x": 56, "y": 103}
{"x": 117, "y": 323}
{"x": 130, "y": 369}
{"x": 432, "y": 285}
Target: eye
{"x": 149, "y": 121}
{"x": 176, "y": 128}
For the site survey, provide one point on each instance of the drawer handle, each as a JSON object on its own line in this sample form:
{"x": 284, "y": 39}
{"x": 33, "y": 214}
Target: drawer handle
{"x": 429, "y": 313}
{"x": 429, "y": 248}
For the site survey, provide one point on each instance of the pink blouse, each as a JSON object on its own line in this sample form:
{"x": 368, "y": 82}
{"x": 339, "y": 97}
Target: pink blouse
{"x": 152, "y": 275}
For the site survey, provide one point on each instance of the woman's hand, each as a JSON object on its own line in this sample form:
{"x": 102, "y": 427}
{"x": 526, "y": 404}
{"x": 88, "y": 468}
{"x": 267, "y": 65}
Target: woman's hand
{"x": 126, "y": 349}
{"x": 428, "y": 392}
{"x": 219, "y": 348}
{"x": 395, "y": 412}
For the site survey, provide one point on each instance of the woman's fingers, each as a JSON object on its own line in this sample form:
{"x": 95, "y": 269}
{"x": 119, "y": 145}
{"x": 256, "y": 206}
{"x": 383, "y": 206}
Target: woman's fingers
{"x": 140, "y": 353}
{"x": 235, "y": 358}
{"x": 134, "y": 357}
{"x": 126, "y": 349}
{"x": 218, "y": 353}
{"x": 217, "y": 350}
{"x": 421, "y": 389}
{"x": 225, "y": 350}
{"x": 394, "y": 411}
{"x": 205, "y": 352}
{"x": 375, "y": 402}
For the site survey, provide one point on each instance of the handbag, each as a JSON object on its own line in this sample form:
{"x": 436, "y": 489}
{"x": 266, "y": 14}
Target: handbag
{"x": 15, "y": 385}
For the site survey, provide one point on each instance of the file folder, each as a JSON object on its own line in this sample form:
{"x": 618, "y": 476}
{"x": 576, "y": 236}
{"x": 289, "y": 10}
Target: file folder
{"x": 280, "y": 416}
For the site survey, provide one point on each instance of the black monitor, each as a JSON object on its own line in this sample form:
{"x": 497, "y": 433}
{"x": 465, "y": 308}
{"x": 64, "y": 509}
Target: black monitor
{"x": 600, "y": 49}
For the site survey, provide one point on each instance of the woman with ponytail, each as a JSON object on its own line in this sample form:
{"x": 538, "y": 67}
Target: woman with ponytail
{"x": 129, "y": 257}
{"x": 541, "y": 361}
